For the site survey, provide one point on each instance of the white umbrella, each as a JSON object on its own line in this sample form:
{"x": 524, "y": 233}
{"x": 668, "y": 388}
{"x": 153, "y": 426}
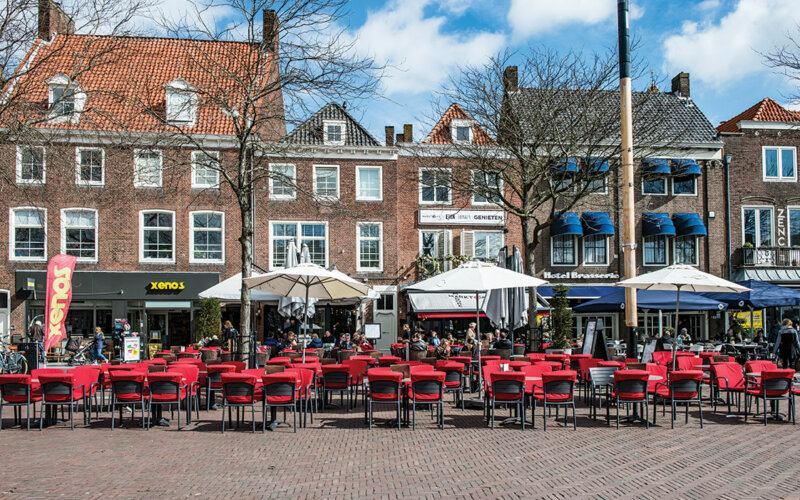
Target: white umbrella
{"x": 477, "y": 276}
{"x": 497, "y": 303}
{"x": 681, "y": 277}
{"x": 286, "y": 305}
{"x": 304, "y": 308}
{"x": 230, "y": 290}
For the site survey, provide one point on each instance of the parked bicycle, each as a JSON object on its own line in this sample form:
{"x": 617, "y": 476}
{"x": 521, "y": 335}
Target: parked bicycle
{"x": 11, "y": 361}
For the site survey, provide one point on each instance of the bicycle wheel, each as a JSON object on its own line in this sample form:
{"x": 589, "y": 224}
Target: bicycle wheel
{"x": 20, "y": 364}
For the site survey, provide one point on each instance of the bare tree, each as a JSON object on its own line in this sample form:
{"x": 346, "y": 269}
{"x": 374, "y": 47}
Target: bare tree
{"x": 786, "y": 59}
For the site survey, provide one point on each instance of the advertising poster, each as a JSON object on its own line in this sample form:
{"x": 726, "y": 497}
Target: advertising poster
{"x": 130, "y": 350}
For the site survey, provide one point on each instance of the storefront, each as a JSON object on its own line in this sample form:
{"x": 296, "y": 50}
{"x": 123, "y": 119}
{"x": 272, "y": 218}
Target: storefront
{"x": 159, "y": 305}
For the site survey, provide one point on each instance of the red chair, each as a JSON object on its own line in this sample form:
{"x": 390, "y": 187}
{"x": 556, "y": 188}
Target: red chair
{"x": 427, "y": 388}
{"x": 191, "y": 376}
{"x": 214, "y": 380}
{"x": 61, "y": 389}
{"x": 388, "y": 360}
{"x": 728, "y": 377}
{"x": 554, "y": 365}
{"x": 775, "y": 386}
{"x": 239, "y": 390}
{"x": 662, "y": 358}
{"x": 683, "y": 386}
{"x": 385, "y": 388}
{"x": 307, "y": 378}
{"x": 357, "y": 368}
{"x": 90, "y": 376}
{"x": 280, "y": 360}
{"x": 280, "y": 390}
{"x": 336, "y": 378}
{"x": 689, "y": 363}
{"x": 17, "y": 391}
{"x": 611, "y": 364}
{"x": 127, "y": 389}
{"x": 453, "y": 379}
{"x": 561, "y": 358}
{"x": 536, "y": 356}
{"x": 630, "y": 387}
{"x": 237, "y": 365}
{"x": 507, "y": 388}
{"x": 584, "y": 363}
{"x": 166, "y": 388}
{"x": 558, "y": 389}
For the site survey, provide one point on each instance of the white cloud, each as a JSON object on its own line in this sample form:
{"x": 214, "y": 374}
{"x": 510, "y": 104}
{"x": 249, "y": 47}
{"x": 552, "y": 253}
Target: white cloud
{"x": 534, "y": 17}
{"x": 420, "y": 54}
{"x": 456, "y": 7}
{"x": 728, "y": 50}
{"x": 709, "y": 4}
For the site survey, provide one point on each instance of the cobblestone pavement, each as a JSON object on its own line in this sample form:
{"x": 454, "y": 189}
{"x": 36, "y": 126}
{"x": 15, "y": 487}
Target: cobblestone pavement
{"x": 338, "y": 457}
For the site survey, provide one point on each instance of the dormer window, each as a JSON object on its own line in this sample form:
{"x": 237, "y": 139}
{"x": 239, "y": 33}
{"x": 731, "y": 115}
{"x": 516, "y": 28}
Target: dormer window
{"x": 461, "y": 130}
{"x": 181, "y": 102}
{"x": 334, "y": 131}
{"x": 65, "y": 99}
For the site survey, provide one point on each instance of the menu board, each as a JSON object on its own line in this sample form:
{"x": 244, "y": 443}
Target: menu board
{"x": 594, "y": 341}
{"x": 130, "y": 349}
{"x": 649, "y": 349}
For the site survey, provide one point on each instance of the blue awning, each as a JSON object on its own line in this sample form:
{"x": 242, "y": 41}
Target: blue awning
{"x": 578, "y": 292}
{"x": 568, "y": 165}
{"x": 664, "y": 300}
{"x": 689, "y": 225}
{"x": 655, "y": 166}
{"x": 761, "y": 295}
{"x": 683, "y": 168}
{"x": 597, "y": 164}
{"x": 567, "y": 223}
{"x": 657, "y": 225}
{"x": 597, "y": 223}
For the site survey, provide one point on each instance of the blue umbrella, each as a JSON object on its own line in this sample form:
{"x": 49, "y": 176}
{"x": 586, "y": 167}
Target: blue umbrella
{"x": 664, "y": 300}
{"x": 761, "y": 295}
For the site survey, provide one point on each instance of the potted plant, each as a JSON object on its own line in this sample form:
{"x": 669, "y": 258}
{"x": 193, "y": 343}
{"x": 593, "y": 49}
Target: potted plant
{"x": 561, "y": 319}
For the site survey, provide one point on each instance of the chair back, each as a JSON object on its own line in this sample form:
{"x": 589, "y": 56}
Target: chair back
{"x": 46, "y": 371}
{"x": 519, "y": 349}
{"x": 631, "y": 384}
{"x": 508, "y": 386}
{"x": 417, "y": 355}
{"x": 559, "y": 385}
{"x": 536, "y": 356}
{"x": 520, "y": 357}
{"x": 575, "y": 361}
{"x": 503, "y": 353}
{"x": 388, "y": 360}
{"x": 156, "y": 368}
{"x": 186, "y": 355}
{"x": 602, "y": 375}
{"x": 427, "y": 385}
{"x": 421, "y": 368}
{"x": 688, "y": 362}
{"x": 336, "y": 375}
{"x": 187, "y": 371}
{"x": 239, "y": 388}
{"x": 777, "y": 382}
{"x": 15, "y": 387}
{"x": 685, "y": 384}
{"x": 385, "y": 384}
{"x": 759, "y": 366}
{"x": 58, "y": 387}
{"x": 184, "y": 361}
{"x": 453, "y": 372}
{"x": 238, "y": 366}
{"x": 343, "y": 355}
{"x": 554, "y": 365}
{"x": 727, "y": 375}
{"x": 208, "y": 354}
{"x": 127, "y": 383}
{"x": 659, "y": 371}
{"x": 165, "y": 386}
{"x": 280, "y": 388}
{"x": 663, "y": 358}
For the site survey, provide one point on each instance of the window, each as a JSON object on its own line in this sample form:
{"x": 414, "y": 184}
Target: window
{"x": 486, "y": 244}
{"x": 62, "y": 100}
{"x": 435, "y": 243}
{"x": 597, "y": 186}
{"x": 385, "y": 302}
{"x": 90, "y": 163}
{"x": 205, "y": 170}
{"x": 313, "y": 234}
{"x": 757, "y": 226}
{"x": 684, "y": 186}
{"x": 655, "y": 250}
{"x": 563, "y": 250}
{"x": 656, "y": 185}
{"x": 369, "y": 236}
{"x": 79, "y": 233}
{"x": 207, "y": 230}
{"x": 487, "y": 186}
{"x": 326, "y": 181}
{"x": 686, "y": 250}
{"x": 565, "y": 184}
{"x": 281, "y": 182}
{"x": 181, "y": 99}
{"x": 794, "y": 227}
{"x": 369, "y": 184}
{"x": 147, "y": 169}
{"x": 157, "y": 236}
{"x": 461, "y": 130}
{"x": 334, "y": 132}
{"x": 780, "y": 163}
{"x": 65, "y": 99}
{"x": 28, "y": 230}
{"x": 434, "y": 186}
{"x": 30, "y": 165}
{"x": 595, "y": 250}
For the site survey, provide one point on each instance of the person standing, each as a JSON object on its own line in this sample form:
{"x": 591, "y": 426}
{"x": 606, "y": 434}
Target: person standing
{"x": 99, "y": 343}
{"x": 787, "y": 345}
{"x": 230, "y": 335}
{"x": 36, "y": 334}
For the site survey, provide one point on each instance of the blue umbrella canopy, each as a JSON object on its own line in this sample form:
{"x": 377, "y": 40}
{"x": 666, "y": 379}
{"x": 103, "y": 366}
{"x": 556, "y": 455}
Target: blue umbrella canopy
{"x": 761, "y": 294}
{"x": 651, "y": 299}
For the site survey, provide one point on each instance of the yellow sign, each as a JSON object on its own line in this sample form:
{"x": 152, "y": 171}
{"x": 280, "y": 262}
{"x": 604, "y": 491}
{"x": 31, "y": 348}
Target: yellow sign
{"x": 744, "y": 318}
{"x": 166, "y": 285}
{"x": 153, "y": 348}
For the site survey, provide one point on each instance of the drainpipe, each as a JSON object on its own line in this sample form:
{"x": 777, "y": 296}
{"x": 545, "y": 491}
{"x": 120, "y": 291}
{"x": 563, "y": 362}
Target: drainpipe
{"x": 728, "y": 214}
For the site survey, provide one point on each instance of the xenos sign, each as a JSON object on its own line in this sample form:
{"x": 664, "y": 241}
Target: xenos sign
{"x": 165, "y": 286}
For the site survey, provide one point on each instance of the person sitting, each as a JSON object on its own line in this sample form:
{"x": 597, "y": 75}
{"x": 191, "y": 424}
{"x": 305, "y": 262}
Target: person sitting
{"x": 343, "y": 343}
{"x": 417, "y": 344}
{"x": 271, "y": 341}
{"x": 214, "y": 342}
{"x": 290, "y": 342}
{"x": 328, "y": 338}
{"x": 758, "y": 337}
{"x": 666, "y": 337}
{"x": 684, "y": 336}
{"x": 442, "y": 351}
{"x": 364, "y": 344}
{"x": 503, "y": 342}
{"x": 315, "y": 342}
{"x": 434, "y": 340}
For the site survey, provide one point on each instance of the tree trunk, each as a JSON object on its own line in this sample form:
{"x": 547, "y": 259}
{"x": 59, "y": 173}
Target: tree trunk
{"x": 246, "y": 240}
{"x": 529, "y": 249}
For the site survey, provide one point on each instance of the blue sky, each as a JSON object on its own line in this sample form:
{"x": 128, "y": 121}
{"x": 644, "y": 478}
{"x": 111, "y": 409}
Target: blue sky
{"x": 716, "y": 41}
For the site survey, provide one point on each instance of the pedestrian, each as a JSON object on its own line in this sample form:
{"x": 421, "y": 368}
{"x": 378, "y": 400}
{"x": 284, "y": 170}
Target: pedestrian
{"x": 787, "y": 345}
{"x": 36, "y": 334}
{"x": 503, "y": 342}
{"x": 406, "y": 334}
{"x": 99, "y": 344}
{"x": 230, "y": 335}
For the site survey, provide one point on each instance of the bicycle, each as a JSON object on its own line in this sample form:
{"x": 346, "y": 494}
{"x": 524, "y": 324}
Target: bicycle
{"x": 12, "y": 361}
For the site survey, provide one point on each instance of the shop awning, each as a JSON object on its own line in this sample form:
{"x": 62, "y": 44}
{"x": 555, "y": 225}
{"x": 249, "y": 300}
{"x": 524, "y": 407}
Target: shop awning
{"x": 597, "y": 165}
{"x": 597, "y": 223}
{"x": 655, "y": 166}
{"x": 683, "y": 168}
{"x": 578, "y": 292}
{"x": 657, "y": 225}
{"x": 567, "y": 223}
{"x": 449, "y": 315}
{"x": 568, "y": 165}
{"x": 689, "y": 225}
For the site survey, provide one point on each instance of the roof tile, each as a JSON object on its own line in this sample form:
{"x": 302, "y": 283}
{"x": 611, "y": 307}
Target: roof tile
{"x": 765, "y": 110}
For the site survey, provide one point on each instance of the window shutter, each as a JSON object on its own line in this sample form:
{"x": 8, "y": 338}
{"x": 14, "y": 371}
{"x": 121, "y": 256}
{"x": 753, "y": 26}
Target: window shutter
{"x": 441, "y": 251}
{"x": 468, "y": 243}
{"x": 448, "y": 239}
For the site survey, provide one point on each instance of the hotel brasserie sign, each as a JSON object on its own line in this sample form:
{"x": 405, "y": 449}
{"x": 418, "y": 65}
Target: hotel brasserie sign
{"x": 462, "y": 217}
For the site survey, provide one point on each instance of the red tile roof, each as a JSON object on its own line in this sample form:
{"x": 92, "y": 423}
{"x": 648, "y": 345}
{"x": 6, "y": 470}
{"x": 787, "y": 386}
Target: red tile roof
{"x": 124, "y": 78}
{"x": 766, "y": 110}
{"x": 440, "y": 134}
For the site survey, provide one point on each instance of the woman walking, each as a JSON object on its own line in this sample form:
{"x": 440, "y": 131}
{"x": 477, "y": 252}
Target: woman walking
{"x": 787, "y": 345}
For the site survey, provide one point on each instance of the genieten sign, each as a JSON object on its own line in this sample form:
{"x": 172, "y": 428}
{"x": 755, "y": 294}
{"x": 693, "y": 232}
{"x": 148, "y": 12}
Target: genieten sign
{"x": 462, "y": 217}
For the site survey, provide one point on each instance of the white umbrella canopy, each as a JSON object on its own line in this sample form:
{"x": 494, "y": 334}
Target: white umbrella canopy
{"x": 287, "y": 305}
{"x": 308, "y": 280}
{"x": 230, "y": 290}
{"x": 477, "y": 276}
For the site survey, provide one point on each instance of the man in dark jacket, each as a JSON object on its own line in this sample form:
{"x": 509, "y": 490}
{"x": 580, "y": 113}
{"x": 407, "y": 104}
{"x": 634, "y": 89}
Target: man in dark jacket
{"x": 787, "y": 345}
{"x": 503, "y": 342}
{"x": 36, "y": 334}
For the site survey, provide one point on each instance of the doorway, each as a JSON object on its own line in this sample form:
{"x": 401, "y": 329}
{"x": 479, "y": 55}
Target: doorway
{"x": 179, "y": 327}
{"x": 384, "y": 312}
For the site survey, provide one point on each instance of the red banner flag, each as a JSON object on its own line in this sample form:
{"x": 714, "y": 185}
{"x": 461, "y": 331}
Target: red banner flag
{"x": 59, "y": 295}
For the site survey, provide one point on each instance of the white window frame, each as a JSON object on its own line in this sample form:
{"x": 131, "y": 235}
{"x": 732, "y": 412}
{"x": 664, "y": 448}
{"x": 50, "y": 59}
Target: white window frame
{"x": 436, "y": 171}
{"x": 299, "y": 238}
{"x": 780, "y": 177}
{"x": 142, "y": 260}
{"x": 192, "y": 258}
{"x": 457, "y": 123}
{"x": 81, "y": 182}
{"x": 448, "y": 241}
{"x": 607, "y": 252}
{"x": 64, "y": 232}
{"x": 327, "y": 141}
{"x": 694, "y": 183}
{"x": 359, "y": 238}
{"x": 666, "y": 187}
{"x": 272, "y": 195}
{"x": 62, "y": 81}
{"x": 314, "y": 179}
{"x": 486, "y": 203}
{"x": 180, "y": 87}
{"x": 359, "y": 197}
{"x": 195, "y": 163}
{"x": 12, "y": 237}
{"x": 605, "y": 186}
{"x": 789, "y": 210}
{"x": 772, "y": 210}
{"x": 474, "y": 232}
{"x": 32, "y": 182}
{"x": 574, "y": 251}
{"x": 696, "y": 250}
{"x": 666, "y": 251}
{"x": 137, "y": 182}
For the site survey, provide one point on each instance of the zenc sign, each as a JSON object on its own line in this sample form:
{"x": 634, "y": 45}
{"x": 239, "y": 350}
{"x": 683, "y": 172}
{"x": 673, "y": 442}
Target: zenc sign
{"x": 165, "y": 287}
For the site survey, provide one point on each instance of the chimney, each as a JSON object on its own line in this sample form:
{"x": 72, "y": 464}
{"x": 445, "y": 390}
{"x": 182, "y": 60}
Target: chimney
{"x": 53, "y": 20}
{"x": 389, "y": 136}
{"x": 398, "y": 138}
{"x": 510, "y": 80}
{"x": 408, "y": 133}
{"x": 680, "y": 84}
{"x": 270, "y": 30}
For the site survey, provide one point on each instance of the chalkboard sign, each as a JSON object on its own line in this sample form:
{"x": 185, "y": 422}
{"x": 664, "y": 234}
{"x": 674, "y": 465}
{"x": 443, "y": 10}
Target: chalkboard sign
{"x": 594, "y": 341}
{"x": 649, "y": 349}
{"x": 588, "y": 336}
{"x": 372, "y": 331}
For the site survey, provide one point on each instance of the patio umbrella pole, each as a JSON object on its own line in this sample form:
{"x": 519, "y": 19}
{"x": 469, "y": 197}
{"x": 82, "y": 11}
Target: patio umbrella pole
{"x": 675, "y": 339}
{"x": 305, "y": 324}
{"x": 479, "y": 341}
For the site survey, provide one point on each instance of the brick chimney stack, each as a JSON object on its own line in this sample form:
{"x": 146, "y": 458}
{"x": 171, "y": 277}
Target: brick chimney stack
{"x": 680, "y": 84}
{"x": 510, "y": 79}
{"x": 408, "y": 133}
{"x": 399, "y": 138}
{"x": 389, "y": 136}
{"x": 53, "y": 20}
{"x": 270, "y": 30}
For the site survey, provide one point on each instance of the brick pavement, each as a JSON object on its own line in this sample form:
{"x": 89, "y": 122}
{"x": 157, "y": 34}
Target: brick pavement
{"x": 338, "y": 457}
